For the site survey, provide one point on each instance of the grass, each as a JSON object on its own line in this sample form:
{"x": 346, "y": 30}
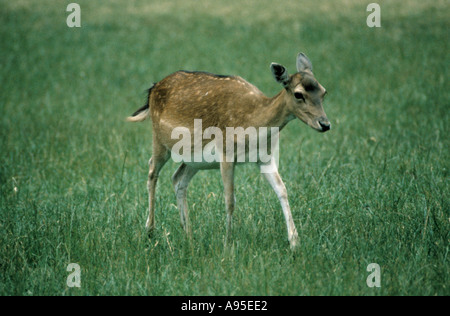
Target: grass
{"x": 73, "y": 173}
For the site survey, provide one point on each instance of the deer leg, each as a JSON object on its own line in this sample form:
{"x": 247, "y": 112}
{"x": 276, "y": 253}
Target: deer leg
{"x": 180, "y": 180}
{"x": 277, "y": 184}
{"x": 158, "y": 160}
{"x": 227, "y": 171}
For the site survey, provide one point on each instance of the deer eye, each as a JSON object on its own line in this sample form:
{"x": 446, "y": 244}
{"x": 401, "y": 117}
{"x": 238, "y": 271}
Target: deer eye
{"x": 299, "y": 96}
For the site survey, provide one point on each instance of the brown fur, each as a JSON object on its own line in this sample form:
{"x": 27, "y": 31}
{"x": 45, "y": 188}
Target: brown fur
{"x": 218, "y": 101}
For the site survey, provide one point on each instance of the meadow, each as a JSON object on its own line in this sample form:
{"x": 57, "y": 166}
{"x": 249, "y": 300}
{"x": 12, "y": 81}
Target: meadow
{"x": 73, "y": 173}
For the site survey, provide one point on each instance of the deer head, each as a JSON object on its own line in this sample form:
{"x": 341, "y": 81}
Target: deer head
{"x": 304, "y": 94}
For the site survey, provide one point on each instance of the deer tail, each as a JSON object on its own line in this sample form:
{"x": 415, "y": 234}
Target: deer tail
{"x": 143, "y": 112}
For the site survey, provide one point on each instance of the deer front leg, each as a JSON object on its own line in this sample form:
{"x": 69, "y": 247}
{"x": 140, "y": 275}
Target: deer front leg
{"x": 277, "y": 184}
{"x": 227, "y": 171}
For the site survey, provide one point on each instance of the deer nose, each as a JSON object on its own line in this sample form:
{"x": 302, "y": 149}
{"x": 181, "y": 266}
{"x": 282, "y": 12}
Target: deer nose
{"x": 325, "y": 125}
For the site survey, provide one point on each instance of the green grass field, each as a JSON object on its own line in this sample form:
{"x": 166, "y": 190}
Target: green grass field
{"x": 73, "y": 173}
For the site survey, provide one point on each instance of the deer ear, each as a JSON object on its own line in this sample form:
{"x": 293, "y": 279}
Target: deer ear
{"x": 280, "y": 74}
{"x": 303, "y": 63}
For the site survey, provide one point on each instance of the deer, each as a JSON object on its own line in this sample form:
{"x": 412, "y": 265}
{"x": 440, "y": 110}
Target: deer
{"x": 226, "y": 101}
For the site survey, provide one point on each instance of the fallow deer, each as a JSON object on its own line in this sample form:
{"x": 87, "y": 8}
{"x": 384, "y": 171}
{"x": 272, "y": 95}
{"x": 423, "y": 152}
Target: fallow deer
{"x": 226, "y": 101}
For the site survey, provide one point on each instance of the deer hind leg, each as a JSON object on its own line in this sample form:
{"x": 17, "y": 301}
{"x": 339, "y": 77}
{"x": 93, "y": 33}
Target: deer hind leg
{"x": 180, "y": 180}
{"x": 158, "y": 160}
{"x": 277, "y": 184}
{"x": 227, "y": 171}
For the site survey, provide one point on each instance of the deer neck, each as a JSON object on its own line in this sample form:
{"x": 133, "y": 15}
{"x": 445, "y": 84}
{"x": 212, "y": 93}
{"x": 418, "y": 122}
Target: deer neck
{"x": 276, "y": 112}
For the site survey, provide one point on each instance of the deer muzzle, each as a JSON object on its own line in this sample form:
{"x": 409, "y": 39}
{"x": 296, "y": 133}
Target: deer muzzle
{"x": 324, "y": 124}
